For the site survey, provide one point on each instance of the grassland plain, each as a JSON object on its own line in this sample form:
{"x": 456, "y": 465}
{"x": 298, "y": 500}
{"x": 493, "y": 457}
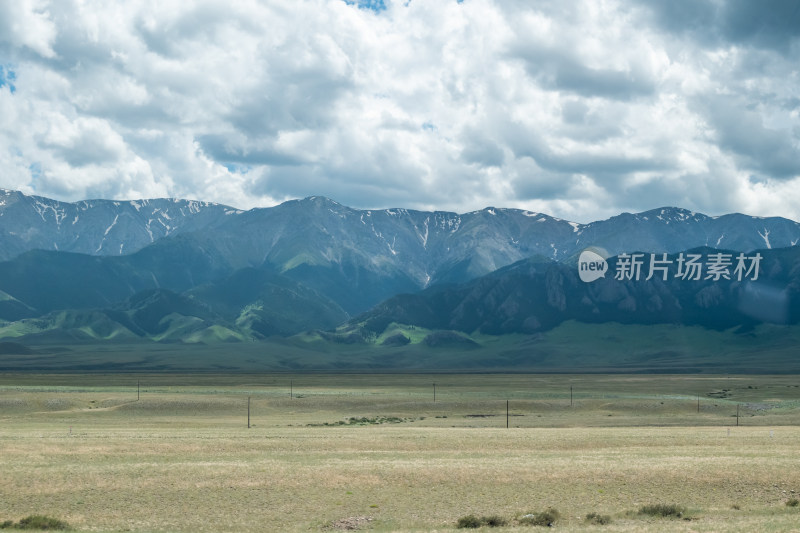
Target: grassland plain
{"x": 592, "y": 348}
{"x": 181, "y": 458}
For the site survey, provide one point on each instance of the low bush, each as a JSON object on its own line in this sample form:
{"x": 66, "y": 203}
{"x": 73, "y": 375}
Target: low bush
{"x": 546, "y": 518}
{"x": 469, "y": 522}
{"x": 473, "y": 522}
{"x": 494, "y": 521}
{"x": 794, "y": 502}
{"x": 598, "y": 519}
{"x": 663, "y": 510}
{"x": 37, "y": 522}
{"x": 363, "y": 421}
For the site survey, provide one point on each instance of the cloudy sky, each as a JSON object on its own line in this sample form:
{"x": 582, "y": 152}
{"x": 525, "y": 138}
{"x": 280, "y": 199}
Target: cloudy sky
{"x": 578, "y": 109}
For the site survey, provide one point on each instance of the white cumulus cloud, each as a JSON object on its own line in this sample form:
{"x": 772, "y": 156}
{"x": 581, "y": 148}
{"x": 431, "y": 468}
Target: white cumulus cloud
{"x": 579, "y": 109}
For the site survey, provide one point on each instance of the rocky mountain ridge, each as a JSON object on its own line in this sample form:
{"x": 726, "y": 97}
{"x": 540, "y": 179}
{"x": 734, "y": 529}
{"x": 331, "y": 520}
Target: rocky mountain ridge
{"x": 306, "y": 264}
{"x": 97, "y": 227}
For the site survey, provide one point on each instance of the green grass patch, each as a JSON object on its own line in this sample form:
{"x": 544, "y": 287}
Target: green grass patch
{"x": 37, "y": 523}
{"x": 663, "y": 510}
{"x": 413, "y": 333}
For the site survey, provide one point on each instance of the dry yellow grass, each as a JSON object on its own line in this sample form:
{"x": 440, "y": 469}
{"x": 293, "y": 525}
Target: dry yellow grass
{"x": 184, "y": 460}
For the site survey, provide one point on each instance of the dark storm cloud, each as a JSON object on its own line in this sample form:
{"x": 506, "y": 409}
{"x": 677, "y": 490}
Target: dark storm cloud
{"x": 539, "y": 184}
{"x": 697, "y": 17}
{"x": 528, "y": 143}
{"x": 580, "y": 122}
{"x": 771, "y": 24}
{"x": 557, "y": 70}
{"x": 771, "y": 152}
{"x": 481, "y": 150}
{"x": 225, "y": 149}
{"x": 699, "y": 192}
{"x": 289, "y": 103}
{"x": 362, "y": 189}
{"x": 767, "y": 23}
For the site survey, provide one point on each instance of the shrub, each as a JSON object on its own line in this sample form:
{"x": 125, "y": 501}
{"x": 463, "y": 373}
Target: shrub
{"x": 469, "y": 522}
{"x": 494, "y": 521}
{"x": 598, "y": 519}
{"x": 794, "y": 502}
{"x": 473, "y": 522}
{"x": 37, "y": 522}
{"x": 546, "y": 518}
{"x": 663, "y": 510}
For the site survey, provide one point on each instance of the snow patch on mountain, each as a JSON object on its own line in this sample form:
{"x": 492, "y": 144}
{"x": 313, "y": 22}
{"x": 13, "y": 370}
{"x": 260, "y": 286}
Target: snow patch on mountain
{"x": 765, "y": 236}
{"x": 424, "y": 237}
{"x": 111, "y": 226}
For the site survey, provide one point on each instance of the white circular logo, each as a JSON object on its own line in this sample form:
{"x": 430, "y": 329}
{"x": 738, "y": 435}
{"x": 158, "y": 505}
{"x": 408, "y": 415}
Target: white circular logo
{"x": 591, "y": 266}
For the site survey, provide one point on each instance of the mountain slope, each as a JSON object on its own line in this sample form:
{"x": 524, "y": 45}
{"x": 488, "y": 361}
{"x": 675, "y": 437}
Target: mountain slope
{"x": 672, "y": 229}
{"x": 339, "y": 260}
{"x": 157, "y": 315}
{"x": 48, "y": 281}
{"x": 97, "y": 227}
{"x": 536, "y": 295}
{"x": 360, "y": 257}
{"x": 263, "y": 303}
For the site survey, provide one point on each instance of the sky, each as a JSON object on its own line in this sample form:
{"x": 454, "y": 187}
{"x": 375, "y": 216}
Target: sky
{"x": 581, "y": 109}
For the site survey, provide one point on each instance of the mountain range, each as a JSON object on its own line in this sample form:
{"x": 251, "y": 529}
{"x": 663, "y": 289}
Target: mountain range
{"x": 537, "y": 294}
{"x": 191, "y": 271}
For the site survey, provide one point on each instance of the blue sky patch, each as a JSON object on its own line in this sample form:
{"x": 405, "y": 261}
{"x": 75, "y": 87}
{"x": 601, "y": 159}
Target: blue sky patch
{"x": 236, "y": 168}
{"x": 7, "y": 77}
{"x": 36, "y": 170}
{"x": 373, "y": 5}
